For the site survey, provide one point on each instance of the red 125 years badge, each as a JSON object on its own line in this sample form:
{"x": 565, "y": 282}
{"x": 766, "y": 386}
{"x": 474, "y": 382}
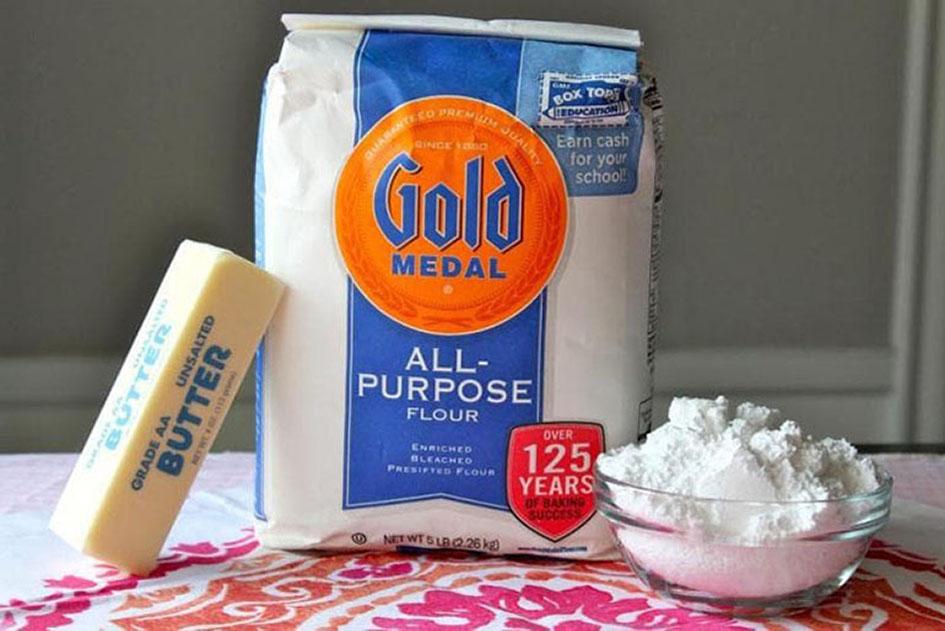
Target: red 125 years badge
{"x": 550, "y": 482}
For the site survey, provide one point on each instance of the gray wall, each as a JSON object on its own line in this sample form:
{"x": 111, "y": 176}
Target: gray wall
{"x": 125, "y": 126}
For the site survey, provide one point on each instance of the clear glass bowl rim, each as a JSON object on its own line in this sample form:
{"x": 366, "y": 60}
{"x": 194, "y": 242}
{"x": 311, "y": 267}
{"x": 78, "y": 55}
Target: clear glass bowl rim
{"x": 882, "y": 493}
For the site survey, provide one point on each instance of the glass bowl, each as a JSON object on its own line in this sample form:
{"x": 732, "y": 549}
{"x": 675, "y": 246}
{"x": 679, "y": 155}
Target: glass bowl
{"x": 737, "y": 557}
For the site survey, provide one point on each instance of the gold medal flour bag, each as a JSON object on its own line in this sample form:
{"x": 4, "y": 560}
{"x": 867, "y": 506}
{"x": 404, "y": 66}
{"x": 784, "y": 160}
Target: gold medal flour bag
{"x": 464, "y": 214}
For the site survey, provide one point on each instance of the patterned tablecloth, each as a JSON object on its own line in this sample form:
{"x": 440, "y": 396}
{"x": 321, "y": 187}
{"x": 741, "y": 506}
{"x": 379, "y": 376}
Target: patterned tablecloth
{"x": 214, "y": 574}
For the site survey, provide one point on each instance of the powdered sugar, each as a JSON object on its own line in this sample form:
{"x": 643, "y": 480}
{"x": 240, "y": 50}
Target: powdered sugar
{"x": 705, "y": 451}
{"x": 670, "y": 503}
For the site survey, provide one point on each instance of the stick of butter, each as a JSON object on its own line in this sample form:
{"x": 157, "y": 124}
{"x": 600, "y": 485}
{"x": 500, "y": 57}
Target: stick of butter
{"x": 166, "y": 406}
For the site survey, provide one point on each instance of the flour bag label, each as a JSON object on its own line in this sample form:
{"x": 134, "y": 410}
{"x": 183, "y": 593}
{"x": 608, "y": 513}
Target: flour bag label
{"x": 465, "y": 215}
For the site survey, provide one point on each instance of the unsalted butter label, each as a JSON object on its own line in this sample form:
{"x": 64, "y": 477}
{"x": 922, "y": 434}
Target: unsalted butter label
{"x": 199, "y": 382}
{"x": 166, "y": 406}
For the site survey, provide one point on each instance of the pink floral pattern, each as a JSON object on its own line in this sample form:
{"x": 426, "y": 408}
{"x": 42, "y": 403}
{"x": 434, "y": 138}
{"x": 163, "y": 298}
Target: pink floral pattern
{"x": 525, "y": 608}
{"x": 220, "y": 577}
{"x": 238, "y": 584}
{"x": 76, "y": 594}
{"x": 365, "y": 568}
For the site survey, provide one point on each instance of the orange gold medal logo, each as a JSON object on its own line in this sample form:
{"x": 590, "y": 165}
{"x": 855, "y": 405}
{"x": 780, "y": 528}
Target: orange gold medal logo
{"x": 451, "y": 215}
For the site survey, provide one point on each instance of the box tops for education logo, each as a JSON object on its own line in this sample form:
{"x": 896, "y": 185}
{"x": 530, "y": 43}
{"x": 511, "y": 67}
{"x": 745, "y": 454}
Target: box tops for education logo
{"x": 451, "y": 215}
{"x": 601, "y": 99}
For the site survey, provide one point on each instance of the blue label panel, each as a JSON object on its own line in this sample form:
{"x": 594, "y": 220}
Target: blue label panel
{"x": 395, "y": 67}
{"x": 259, "y": 219}
{"x": 584, "y": 101}
{"x": 428, "y": 416}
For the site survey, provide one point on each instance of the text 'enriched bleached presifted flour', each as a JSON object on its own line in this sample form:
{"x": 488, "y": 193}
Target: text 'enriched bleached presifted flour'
{"x": 465, "y": 214}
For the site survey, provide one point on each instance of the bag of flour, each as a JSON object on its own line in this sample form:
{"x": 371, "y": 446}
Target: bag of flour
{"x": 464, "y": 214}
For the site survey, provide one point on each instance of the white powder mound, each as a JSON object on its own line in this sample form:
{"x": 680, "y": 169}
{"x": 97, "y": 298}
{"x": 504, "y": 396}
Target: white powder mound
{"x": 704, "y": 451}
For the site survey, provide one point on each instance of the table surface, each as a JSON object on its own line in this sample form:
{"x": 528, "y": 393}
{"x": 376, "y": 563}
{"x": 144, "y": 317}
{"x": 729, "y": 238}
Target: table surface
{"x": 214, "y": 574}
